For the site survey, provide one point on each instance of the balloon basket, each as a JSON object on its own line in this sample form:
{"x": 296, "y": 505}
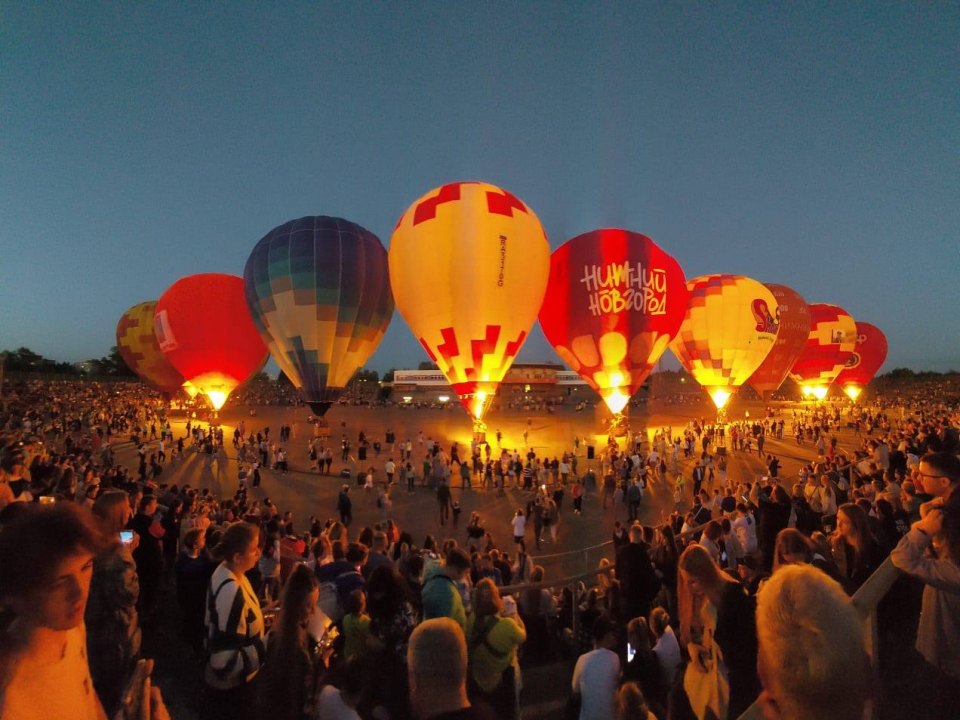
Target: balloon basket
{"x": 479, "y": 431}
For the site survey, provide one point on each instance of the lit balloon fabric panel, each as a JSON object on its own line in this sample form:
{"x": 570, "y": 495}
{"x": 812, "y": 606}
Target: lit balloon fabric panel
{"x": 614, "y": 302}
{"x": 793, "y": 318}
{"x": 867, "y": 357}
{"x": 468, "y": 267}
{"x": 829, "y": 346}
{"x": 729, "y": 329}
{"x": 318, "y": 289}
{"x": 139, "y": 348}
{"x": 204, "y": 328}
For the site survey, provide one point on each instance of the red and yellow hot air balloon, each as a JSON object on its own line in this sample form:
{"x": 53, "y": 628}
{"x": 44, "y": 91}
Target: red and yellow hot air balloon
{"x": 468, "y": 269}
{"x": 204, "y": 328}
{"x": 139, "y": 348}
{"x": 794, "y": 320}
{"x": 614, "y": 302}
{"x": 832, "y": 339}
{"x": 867, "y": 358}
{"x": 729, "y": 329}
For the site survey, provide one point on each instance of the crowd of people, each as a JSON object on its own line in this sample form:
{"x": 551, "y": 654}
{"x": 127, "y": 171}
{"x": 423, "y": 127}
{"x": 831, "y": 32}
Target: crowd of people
{"x": 743, "y": 596}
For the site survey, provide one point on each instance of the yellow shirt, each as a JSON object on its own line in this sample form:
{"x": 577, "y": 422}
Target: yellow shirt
{"x": 52, "y": 680}
{"x": 489, "y": 659}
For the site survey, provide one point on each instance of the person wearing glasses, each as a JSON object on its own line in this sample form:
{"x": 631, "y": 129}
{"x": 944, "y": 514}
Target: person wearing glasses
{"x": 931, "y": 553}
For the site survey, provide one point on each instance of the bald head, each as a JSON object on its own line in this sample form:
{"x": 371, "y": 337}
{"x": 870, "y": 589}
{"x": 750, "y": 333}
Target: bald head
{"x": 437, "y": 654}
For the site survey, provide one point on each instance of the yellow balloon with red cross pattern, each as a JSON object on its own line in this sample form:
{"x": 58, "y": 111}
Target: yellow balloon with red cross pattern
{"x": 468, "y": 267}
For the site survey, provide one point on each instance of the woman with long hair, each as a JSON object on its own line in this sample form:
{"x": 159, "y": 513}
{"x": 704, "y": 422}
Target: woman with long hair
{"x": 717, "y": 625}
{"x": 234, "y": 624}
{"x": 666, "y": 558}
{"x": 288, "y": 683}
{"x": 855, "y": 550}
{"x": 113, "y": 627}
{"x": 392, "y": 620}
{"x": 642, "y": 665}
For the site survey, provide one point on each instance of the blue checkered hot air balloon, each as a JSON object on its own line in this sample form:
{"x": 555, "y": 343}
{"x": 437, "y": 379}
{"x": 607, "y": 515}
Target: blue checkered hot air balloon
{"x": 318, "y": 289}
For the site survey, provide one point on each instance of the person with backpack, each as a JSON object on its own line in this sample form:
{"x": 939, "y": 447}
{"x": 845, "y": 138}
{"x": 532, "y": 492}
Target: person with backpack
{"x": 495, "y": 632}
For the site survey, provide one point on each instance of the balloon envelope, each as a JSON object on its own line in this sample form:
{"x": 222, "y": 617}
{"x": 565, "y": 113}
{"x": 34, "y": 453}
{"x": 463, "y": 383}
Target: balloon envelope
{"x": 614, "y": 302}
{"x": 728, "y": 330}
{"x": 139, "y": 348}
{"x": 468, "y": 268}
{"x": 828, "y": 348}
{"x": 794, "y": 320}
{"x": 204, "y": 328}
{"x": 318, "y": 289}
{"x": 867, "y": 357}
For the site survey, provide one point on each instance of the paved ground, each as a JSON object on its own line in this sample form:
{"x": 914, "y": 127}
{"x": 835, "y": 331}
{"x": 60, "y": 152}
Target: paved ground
{"x": 308, "y": 494}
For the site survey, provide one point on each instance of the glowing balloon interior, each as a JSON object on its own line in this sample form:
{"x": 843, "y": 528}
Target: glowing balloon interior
{"x": 318, "y": 289}
{"x": 614, "y": 302}
{"x": 729, "y": 329}
{"x": 204, "y": 328}
{"x": 468, "y": 269}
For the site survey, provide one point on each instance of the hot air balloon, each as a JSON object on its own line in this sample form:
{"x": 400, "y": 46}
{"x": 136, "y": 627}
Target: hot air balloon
{"x": 867, "y": 357}
{"x": 614, "y": 302}
{"x": 829, "y": 346}
{"x": 729, "y": 329}
{"x": 204, "y": 328}
{"x": 139, "y": 348}
{"x": 318, "y": 289}
{"x": 468, "y": 268}
{"x": 794, "y": 321}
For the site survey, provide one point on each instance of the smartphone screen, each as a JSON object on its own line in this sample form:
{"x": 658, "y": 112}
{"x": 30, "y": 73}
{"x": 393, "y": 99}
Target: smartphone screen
{"x": 47, "y": 499}
{"x": 126, "y": 536}
{"x": 631, "y": 651}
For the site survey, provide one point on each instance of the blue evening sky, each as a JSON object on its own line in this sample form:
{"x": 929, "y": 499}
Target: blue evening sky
{"x": 815, "y": 145}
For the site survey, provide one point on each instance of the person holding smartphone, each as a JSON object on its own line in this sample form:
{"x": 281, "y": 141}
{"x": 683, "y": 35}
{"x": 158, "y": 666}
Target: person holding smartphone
{"x": 113, "y": 640}
{"x": 46, "y": 567}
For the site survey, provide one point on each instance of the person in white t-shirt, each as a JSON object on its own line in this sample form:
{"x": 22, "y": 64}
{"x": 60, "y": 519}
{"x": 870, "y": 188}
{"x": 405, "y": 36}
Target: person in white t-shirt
{"x": 597, "y": 673}
{"x": 341, "y": 703}
{"x": 666, "y": 649}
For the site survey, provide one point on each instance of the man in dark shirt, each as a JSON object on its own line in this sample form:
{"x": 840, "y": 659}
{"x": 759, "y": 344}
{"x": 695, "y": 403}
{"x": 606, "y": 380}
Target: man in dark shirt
{"x": 636, "y": 575}
{"x": 148, "y": 554}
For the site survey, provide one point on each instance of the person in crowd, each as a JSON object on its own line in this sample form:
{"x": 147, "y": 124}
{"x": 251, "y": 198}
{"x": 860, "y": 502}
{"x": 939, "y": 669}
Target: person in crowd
{"x": 437, "y": 673}
{"x": 148, "y": 555}
{"x": 340, "y": 703}
{"x": 631, "y": 703}
{"x": 635, "y": 572}
{"x": 113, "y": 627}
{"x": 856, "y": 551}
{"x": 440, "y": 595}
{"x": 666, "y": 648}
{"x": 287, "y": 685}
{"x": 643, "y": 667}
{"x": 811, "y": 659}
{"x": 717, "y": 613}
{"x": 46, "y": 568}
{"x": 392, "y": 619}
{"x": 597, "y": 673}
{"x": 930, "y": 552}
{"x": 235, "y": 626}
{"x": 495, "y": 632}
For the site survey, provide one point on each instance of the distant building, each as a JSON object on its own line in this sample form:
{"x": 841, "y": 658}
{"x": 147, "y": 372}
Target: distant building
{"x": 524, "y": 383}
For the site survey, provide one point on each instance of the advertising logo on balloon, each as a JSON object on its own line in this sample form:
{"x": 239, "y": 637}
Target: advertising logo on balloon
{"x": 623, "y": 287}
{"x": 766, "y": 323}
